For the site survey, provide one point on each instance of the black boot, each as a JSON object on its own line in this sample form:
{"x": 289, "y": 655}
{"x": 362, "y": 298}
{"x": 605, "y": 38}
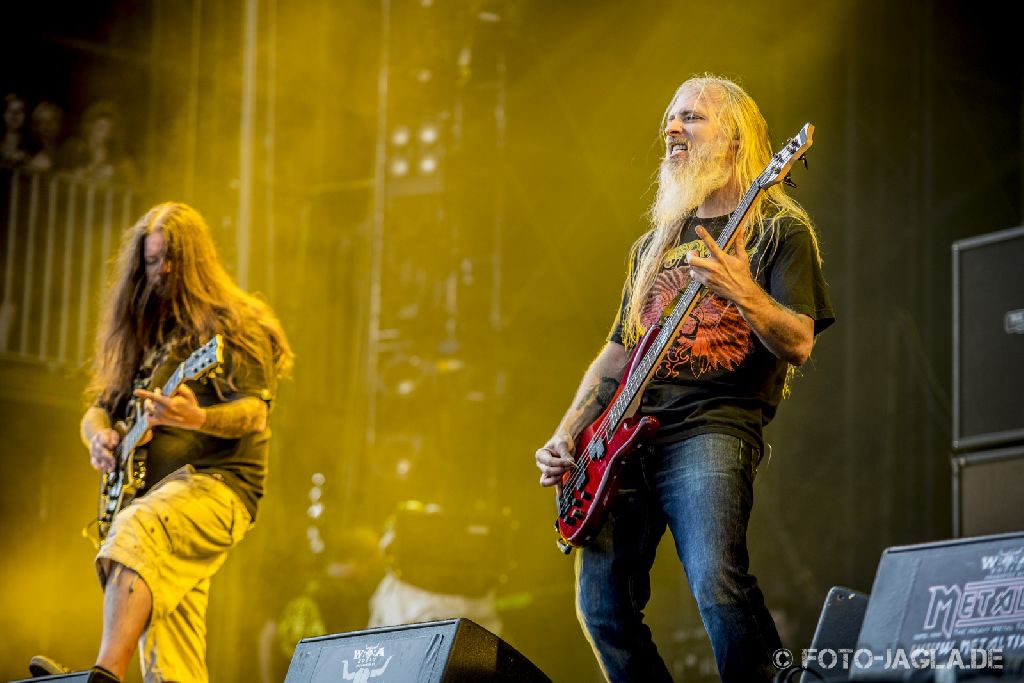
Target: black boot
{"x": 41, "y": 665}
{"x": 100, "y": 675}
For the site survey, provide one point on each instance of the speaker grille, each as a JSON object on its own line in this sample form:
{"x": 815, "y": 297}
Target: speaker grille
{"x": 988, "y": 340}
{"x": 988, "y": 485}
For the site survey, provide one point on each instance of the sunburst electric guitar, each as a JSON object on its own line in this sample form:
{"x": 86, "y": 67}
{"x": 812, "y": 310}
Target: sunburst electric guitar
{"x": 604, "y": 446}
{"x": 118, "y": 487}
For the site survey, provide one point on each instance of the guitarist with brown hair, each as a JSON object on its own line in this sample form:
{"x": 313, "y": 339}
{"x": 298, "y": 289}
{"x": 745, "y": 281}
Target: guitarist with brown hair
{"x": 716, "y": 386}
{"x": 206, "y": 457}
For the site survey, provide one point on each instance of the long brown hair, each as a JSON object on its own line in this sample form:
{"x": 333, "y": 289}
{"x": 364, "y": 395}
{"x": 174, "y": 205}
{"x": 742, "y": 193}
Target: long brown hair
{"x": 196, "y": 300}
{"x": 741, "y": 119}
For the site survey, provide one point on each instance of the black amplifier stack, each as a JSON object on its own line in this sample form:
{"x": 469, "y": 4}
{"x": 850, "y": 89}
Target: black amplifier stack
{"x": 988, "y": 383}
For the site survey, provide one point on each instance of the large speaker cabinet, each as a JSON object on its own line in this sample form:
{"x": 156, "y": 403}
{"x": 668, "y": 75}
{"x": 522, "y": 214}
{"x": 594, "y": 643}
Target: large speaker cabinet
{"x": 987, "y": 491}
{"x": 988, "y": 340}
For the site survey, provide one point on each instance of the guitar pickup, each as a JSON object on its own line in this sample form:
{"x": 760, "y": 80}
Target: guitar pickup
{"x": 569, "y": 520}
{"x": 586, "y": 496}
{"x": 578, "y": 514}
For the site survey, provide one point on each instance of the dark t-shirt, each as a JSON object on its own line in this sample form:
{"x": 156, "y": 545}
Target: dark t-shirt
{"x": 239, "y": 463}
{"x": 717, "y": 375}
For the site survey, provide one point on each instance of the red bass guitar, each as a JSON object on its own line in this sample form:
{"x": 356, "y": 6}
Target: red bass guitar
{"x": 604, "y": 446}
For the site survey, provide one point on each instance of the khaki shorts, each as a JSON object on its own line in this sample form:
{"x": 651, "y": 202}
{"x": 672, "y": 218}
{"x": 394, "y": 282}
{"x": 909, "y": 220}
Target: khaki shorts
{"x": 176, "y": 537}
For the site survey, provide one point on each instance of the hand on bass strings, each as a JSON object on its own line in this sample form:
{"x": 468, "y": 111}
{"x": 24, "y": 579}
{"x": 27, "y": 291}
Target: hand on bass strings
{"x": 727, "y": 275}
{"x": 555, "y": 458}
{"x": 180, "y": 409}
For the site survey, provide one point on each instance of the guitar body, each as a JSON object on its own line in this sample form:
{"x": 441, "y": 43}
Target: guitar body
{"x": 587, "y": 490}
{"x": 118, "y": 488}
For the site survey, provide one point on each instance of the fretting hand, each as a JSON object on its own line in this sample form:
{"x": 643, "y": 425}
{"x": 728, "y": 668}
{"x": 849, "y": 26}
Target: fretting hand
{"x": 180, "y": 409}
{"x": 727, "y": 275}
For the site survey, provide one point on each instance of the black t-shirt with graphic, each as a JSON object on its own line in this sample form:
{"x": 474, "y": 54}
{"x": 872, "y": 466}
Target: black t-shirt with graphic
{"x": 717, "y": 375}
{"x": 239, "y": 463}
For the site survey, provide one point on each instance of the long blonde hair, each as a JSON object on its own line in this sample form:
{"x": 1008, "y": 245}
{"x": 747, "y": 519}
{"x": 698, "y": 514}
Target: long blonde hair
{"x": 741, "y": 119}
{"x": 199, "y": 299}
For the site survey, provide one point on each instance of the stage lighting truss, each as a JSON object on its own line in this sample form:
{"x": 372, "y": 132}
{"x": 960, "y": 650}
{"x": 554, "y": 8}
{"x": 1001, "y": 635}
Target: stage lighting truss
{"x": 436, "y": 242}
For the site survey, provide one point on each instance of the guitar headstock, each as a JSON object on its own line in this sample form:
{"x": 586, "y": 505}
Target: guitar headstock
{"x": 207, "y": 358}
{"x": 782, "y": 161}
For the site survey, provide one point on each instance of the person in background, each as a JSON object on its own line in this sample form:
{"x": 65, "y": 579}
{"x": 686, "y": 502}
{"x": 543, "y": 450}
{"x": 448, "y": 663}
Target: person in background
{"x": 13, "y": 150}
{"x": 47, "y": 122}
{"x": 98, "y": 154}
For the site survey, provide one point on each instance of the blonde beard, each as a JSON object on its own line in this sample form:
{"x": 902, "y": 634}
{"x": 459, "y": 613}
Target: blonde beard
{"x": 684, "y": 184}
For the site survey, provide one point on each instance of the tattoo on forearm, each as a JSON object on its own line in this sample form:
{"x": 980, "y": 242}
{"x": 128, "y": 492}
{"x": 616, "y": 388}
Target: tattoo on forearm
{"x": 600, "y": 393}
{"x": 235, "y": 419}
{"x": 606, "y": 390}
{"x": 597, "y": 398}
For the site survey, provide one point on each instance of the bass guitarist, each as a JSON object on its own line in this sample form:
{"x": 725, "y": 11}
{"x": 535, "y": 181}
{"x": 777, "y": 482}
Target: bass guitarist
{"x": 717, "y": 385}
{"x": 207, "y": 455}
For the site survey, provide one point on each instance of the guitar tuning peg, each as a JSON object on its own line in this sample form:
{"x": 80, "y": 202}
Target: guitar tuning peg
{"x": 803, "y": 158}
{"x": 788, "y": 180}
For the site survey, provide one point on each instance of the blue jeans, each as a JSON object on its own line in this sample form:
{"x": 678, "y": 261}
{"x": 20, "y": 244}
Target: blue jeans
{"x": 702, "y": 489}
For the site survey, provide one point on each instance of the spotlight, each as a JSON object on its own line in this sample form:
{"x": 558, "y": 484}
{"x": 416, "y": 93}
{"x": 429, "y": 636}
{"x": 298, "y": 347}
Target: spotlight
{"x": 316, "y": 542}
{"x": 399, "y": 167}
{"x": 424, "y": 75}
{"x": 315, "y": 510}
{"x": 402, "y": 467}
{"x": 445, "y": 365}
{"x": 400, "y": 136}
{"x": 318, "y": 479}
{"x": 428, "y": 134}
{"x": 315, "y": 493}
{"x": 428, "y": 165}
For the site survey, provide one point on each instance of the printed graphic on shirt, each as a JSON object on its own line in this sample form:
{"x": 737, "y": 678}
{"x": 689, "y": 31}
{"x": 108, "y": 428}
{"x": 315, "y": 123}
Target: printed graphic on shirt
{"x": 714, "y": 337}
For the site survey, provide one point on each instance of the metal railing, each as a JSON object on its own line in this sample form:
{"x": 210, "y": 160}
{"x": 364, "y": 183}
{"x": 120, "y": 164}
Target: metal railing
{"x": 58, "y": 234}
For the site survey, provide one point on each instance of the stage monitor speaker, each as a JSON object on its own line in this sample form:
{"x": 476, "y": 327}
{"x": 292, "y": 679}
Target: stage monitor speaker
{"x": 988, "y": 340}
{"x": 934, "y": 598}
{"x": 76, "y": 677}
{"x": 448, "y": 651}
{"x": 838, "y": 628}
{"x": 947, "y": 676}
{"x": 987, "y": 488}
